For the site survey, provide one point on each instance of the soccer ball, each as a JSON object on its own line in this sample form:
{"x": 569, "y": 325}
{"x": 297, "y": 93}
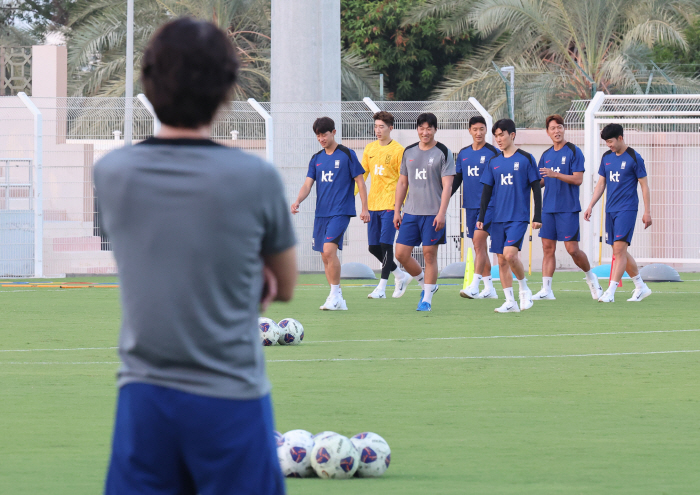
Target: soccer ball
{"x": 334, "y": 456}
{"x": 375, "y": 454}
{"x": 323, "y": 434}
{"x": 269, "y": 331}
{"x": 294, "y": 454}
{"x": 291, "y": 332}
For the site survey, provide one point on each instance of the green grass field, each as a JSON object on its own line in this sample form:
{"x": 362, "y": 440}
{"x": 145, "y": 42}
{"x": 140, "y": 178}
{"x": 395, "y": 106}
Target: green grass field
{"x": 572, "y": 396}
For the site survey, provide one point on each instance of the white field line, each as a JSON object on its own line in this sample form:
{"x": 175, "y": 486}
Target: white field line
{"x": 485, "y": 337}
{"x": 556, "y": 356}
{"x": 437, "y": 358}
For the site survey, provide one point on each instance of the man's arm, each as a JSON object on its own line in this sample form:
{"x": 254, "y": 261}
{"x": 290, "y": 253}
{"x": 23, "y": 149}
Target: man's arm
{"x": 576, "y": 179}
{"x": 284, "y": 269}
{"x": 439, "y": 222}
{"x": 646, "y": 197}
{"x": 537, "y": 198}
{"x": 401, "y": 188}
{"x": 456, "y": 183}
{"x": 303, "y": 194}
{"x": 597, "y": 193}
{"x": 362, "y": 188}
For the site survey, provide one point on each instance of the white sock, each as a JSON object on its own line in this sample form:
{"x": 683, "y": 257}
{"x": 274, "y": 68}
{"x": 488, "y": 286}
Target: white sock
{"x": 613, "y": 287}
{"x": 523, "y": 284}
{"x": 335, "y": 290}
{"x": 509, "y": 294}
{"x": 638, "y": 282}
{"x": 488, "y": 283}
{"x": 382, "y": 284}
{"x": 428, "y": 292}
{"x": 420, "y": 279}
{"x": 547, "y": 283}
{"x": 475, "y": 282}
{"x": 398, "y": 273}
{"x": 590, "y": 276}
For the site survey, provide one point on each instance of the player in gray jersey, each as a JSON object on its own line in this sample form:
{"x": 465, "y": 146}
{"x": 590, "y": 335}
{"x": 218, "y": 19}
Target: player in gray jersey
{"x": 427, "y": 171}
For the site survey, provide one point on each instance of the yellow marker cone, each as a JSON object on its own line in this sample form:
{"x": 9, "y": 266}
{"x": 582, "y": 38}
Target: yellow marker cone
{"x": 468, "y": 269}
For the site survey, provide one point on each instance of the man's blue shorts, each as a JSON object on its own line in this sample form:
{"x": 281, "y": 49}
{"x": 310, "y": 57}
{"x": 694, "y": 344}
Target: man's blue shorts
{"x": 418, "y": 229}
{"x": 473, "y": 217}
{"x": 171, "y": 442}
{"x": 619, "y": 226}
{"x": 329, "y": 229}
{"x": 380, "y": 229}
{"x": 504, "y": 234}
{"x": 560, "y": 226}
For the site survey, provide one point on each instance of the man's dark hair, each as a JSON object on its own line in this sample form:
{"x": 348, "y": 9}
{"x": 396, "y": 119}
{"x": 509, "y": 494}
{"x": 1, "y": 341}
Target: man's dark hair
{"x": 323, "y": 125}
{"x": 427, "y": 118}
{"x": 553, "y": 118}
{"x": 188, "y": 70}
{"x": 385, "y": 117}
{"x": 478, "y": 119}
{"x": 612, "y": 131}
{"x": 506, "y": 125}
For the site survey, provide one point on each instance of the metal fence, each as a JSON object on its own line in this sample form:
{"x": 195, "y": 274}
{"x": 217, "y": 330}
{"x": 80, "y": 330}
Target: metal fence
{"x": 55, "y": 148}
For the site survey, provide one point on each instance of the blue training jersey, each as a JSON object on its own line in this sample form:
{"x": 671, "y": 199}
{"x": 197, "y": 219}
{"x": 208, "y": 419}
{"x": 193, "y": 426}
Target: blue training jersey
{"x": 335, "y": 181}
{"x": 560, "y": 197}
{"x": 471, "y": 163}
{"x": 511, "y": 178}
{"x": 621, "y": 175}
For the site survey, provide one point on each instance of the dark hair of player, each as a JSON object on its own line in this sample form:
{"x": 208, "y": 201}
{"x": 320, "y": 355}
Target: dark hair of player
{"x": 323, "y": 125}
{"x": 553, "y": 118}
{"x": 506, "y": 125}
{"x": 188, "y": 70}
{"x": 611, "y": 131}
{"x": 478, "y": 119}
{"x": 385, "y": 117}
{"x": 427, "y": 118}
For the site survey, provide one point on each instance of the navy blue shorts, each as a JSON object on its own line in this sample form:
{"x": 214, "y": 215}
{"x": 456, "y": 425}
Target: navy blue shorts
{"x": 619, "y": 226}
{"x": 560, "y": 226}
{"x": 473, "y": 217}
{"x": 172, "y": 442}
{"x": 418, "y": 229}
{"x": 504, "y": 234}
{"x": 329, "y": 229}
{"x": 380, "y": 229}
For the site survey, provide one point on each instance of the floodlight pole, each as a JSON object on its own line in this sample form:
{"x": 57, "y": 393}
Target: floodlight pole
{"x": 594, "y": 86}
{"x": 129, "y": 87}
{"x": 674, "y": 88}
{"x": 510, "y": 87}
{"x": 381, "y": 87}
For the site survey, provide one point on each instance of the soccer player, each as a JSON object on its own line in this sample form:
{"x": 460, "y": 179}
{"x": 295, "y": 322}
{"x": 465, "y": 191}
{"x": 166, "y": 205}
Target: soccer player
{"x": 335, "y": 170}
{"x": 427, "y": 172}
{"x": 621, "y": 168}
{"x": 382, "y": 161}
{"x": 510, "y": 176}
{"x": 471, "y": 162}
{"x": 561, "y": 168}
{"x": 199, "y": 232}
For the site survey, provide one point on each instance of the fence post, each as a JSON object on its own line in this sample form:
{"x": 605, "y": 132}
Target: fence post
{"x": 268, "y": 128}
{"x": 590, "y": 152}
{"x": 372, "y": 106}
{"x": 487, "y": 117}
{"x": 147, "y": 104}
{"x": 38, "y": 190}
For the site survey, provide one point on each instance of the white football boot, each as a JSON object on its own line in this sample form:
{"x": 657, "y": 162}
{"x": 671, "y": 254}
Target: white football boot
{"x": 607, "y": 297}
{"x": 508, "y": 307}
{"x": 470, "y": 293}
{"x": 488, "y": 294}
{"x": 334, "y": 303}
{"x": 596, "y": 289}
{"x": 640, "y": 294}
{"x": 377, "y": 294}
{"x": 526, "y": 299}
{"x": 544, "y": 295}
{"x": 400, "y": 284}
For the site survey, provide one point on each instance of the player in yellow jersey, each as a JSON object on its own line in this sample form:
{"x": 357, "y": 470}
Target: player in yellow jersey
{"x": 382, "y": 160}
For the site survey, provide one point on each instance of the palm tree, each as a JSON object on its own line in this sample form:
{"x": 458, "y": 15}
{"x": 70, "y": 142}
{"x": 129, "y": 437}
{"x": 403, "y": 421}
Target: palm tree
{"x": 97, "y": 51}
{"x": 554, "y": 45}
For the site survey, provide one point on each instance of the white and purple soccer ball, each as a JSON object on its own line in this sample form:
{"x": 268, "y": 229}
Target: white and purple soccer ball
{"x": 294, "y": 454}
{"x": 291, "y": 332}
{"x": 375, "y": 454}
{"x": 323, "y": 434}
{"x": 269, "y": 331}
{"x": 335, "y": 457}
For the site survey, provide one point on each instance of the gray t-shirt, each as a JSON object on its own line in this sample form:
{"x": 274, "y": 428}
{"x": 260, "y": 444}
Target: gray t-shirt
{"x": 425, "y": 170}
{"x": 189, "y": 222}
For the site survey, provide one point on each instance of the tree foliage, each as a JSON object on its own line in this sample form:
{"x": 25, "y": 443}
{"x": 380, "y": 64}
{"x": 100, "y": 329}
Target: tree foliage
{"x": 684, "y": 62}
{"x": 413, "y": 57}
